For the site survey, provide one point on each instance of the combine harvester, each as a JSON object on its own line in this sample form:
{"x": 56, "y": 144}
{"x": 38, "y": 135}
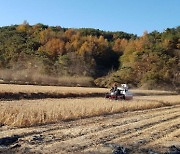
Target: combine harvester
{"x": 119, "y": 93}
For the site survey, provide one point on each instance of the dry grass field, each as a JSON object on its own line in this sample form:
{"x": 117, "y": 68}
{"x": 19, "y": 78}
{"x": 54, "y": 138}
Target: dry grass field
{"x": 25, "y": 113}
{"x": 148, "y": 123}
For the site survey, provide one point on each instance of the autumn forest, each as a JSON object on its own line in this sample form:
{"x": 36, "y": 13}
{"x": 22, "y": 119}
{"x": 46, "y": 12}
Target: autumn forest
{"x": 40, "y": 54}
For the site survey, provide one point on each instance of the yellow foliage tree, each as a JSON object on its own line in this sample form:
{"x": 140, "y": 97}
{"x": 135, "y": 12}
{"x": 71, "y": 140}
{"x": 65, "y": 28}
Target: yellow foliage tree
{"x": 46, "y": 35}
{"x": 24, "y": 27}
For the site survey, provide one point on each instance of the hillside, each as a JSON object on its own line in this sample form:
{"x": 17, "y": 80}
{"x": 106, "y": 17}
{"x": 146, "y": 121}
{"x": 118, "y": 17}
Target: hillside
{"x": 41, "y": 54}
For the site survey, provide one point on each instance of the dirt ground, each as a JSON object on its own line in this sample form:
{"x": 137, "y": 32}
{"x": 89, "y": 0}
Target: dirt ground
{"x": 147, "y": 131}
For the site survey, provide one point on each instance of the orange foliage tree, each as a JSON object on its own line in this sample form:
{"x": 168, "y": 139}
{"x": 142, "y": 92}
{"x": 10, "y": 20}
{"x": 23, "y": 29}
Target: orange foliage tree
{"x": 54, "y": 47}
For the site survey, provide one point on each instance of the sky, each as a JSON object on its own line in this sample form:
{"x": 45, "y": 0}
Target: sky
{"x": 131, "y": 16}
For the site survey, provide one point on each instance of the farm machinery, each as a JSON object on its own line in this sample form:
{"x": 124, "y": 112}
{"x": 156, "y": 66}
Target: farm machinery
{"x": 119, "y": 93}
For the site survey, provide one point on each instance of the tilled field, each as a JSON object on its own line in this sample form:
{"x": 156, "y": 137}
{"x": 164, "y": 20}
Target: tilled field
{"x": 147, "y": 131}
